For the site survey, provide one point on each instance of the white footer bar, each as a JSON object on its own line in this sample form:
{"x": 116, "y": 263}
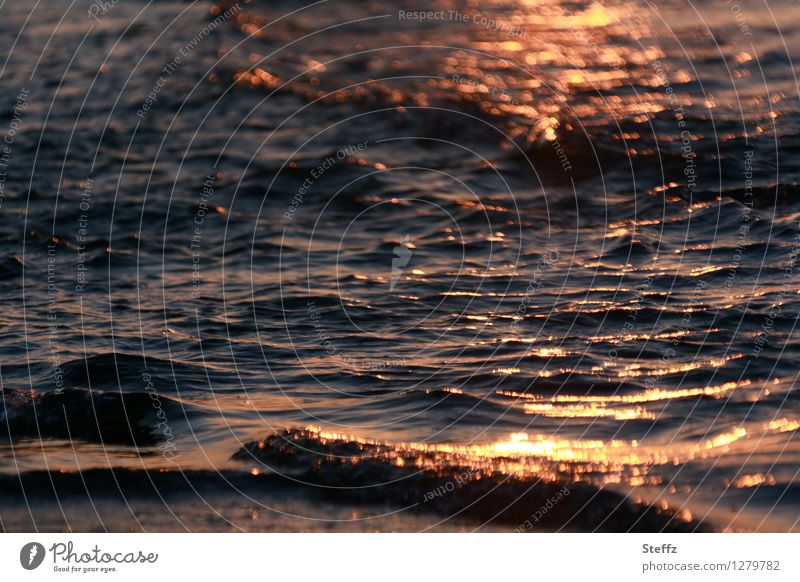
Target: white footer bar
{"x": 407, "y": 557}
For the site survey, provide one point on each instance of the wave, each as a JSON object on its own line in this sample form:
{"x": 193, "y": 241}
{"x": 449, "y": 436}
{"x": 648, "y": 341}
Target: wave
{"x": 447, "y": 481}
{"x": 84, "y": 415}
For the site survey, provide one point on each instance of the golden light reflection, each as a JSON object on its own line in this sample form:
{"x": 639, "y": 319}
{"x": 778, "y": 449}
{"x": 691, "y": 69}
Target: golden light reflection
{"x": 620, "y": 338}
{"x": 596, "y": 15}
{"x": 726, "y": 438}
{"x": 506, "y": 371}
{"x": 641, "y": 397}
{"x": 634, "y": 371}
{"x": 783, "y": 425}
{"x": 588, "y": 411}
{"x": 755, "y": 480}
{"x": 581, "y": 48}
{"x": 589, "y": 460}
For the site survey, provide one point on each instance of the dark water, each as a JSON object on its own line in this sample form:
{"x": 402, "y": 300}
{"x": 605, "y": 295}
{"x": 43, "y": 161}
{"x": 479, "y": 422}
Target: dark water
{"x": 518, "y": 265}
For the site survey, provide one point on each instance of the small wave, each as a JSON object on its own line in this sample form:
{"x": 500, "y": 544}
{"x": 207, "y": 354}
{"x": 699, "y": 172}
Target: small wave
{"x": 97, "y": 417}
{"x": 471, "y": 486}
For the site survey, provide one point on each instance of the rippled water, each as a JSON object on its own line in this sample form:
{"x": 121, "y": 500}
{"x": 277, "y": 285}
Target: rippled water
{"x": 336, "y": 266}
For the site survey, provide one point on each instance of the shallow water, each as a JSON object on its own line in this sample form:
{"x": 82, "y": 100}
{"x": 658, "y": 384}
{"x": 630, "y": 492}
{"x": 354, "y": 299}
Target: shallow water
{"x": 289, "y": 266}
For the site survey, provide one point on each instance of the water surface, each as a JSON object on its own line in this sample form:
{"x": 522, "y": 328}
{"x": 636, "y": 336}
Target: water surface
{"x": 335, "y": 266}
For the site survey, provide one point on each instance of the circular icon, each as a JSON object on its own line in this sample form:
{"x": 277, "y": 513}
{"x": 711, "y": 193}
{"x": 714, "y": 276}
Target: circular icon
{"x": 31, "y": 555}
